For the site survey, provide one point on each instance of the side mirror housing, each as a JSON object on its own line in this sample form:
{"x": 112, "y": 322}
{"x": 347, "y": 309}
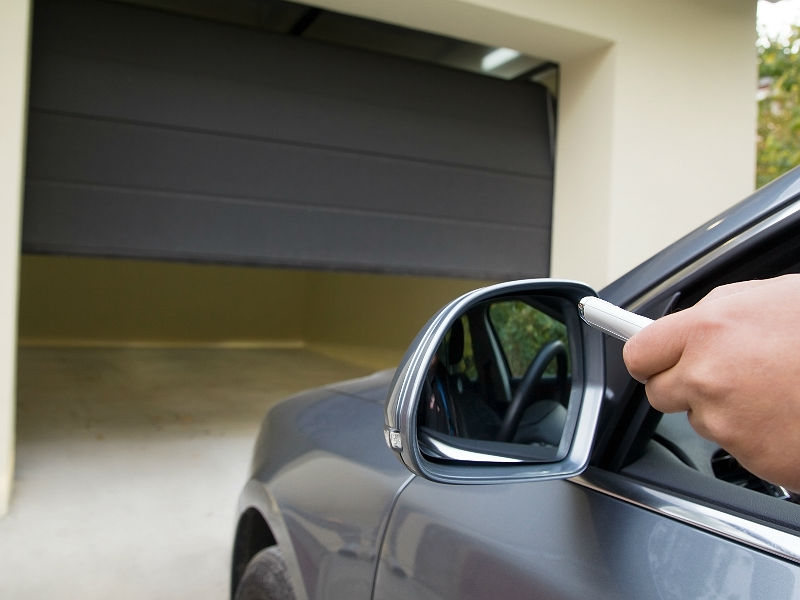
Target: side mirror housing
{"x": 502, "y": 384}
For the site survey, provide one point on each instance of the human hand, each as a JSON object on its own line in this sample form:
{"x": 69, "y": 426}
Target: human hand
{"x": 732, "y": 361}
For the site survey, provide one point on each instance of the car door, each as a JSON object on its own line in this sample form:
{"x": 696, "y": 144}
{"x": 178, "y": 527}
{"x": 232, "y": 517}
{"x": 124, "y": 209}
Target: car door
{"x": 561, "y": 539}
{"x": 661, "y": 513}
{"x": 605, "y": 534}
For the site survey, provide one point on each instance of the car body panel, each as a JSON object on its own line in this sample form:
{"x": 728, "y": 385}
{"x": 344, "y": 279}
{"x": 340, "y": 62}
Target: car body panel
{"x": 328, "y": 484}
{"x": 558, "y": 539}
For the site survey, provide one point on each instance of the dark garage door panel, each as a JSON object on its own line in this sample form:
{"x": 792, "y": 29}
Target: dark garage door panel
{"x": 156, "y": 158}
{"x": 503, "y": 130}
{"x": 241, "y": 231}
{"x": 160, "y": 136}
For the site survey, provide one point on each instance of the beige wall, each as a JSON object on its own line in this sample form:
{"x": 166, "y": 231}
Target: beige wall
{"x": 14, "y": 44}
{"x": 104, "y": 301}
{"x": 369, "y": 319}
{"x": 656, "y": 112}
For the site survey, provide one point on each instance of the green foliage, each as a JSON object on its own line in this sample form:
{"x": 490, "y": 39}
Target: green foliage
{"x": 779, "y": 112}
{"x": 523, "y": 331}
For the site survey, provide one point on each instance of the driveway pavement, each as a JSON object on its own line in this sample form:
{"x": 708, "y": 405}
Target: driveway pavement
{"x": 129, "y": 464}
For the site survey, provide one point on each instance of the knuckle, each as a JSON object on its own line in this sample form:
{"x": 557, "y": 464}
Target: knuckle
{"x": 655, "y": 395}
{"x": 664, "y": 395}
{"x": 705, "y": 382}
{"x": 703, "y": 385}
{"x": 713, "y": 425}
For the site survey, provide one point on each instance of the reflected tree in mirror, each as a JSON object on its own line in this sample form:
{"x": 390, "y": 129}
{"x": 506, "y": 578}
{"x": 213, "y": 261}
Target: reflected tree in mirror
{"x": 522, "y": 332}
{"x": 499, "y": 383}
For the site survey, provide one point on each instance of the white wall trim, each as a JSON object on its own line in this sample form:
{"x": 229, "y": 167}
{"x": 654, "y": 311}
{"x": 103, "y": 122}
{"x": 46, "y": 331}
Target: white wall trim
{"x": 14, "y": 67}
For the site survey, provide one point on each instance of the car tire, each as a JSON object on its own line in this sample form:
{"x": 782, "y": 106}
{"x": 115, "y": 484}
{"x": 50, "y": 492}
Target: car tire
{"x": 265, "y": 578}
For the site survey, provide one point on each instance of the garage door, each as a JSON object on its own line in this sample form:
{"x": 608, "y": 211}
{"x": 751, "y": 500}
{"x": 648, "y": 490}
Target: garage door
{"x": 157, "y": 135}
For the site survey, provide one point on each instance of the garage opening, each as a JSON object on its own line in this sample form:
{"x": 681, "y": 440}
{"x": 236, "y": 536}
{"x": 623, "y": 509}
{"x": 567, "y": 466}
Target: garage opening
{"x": 226, "y": 203}
{"x": 360, "y": 166}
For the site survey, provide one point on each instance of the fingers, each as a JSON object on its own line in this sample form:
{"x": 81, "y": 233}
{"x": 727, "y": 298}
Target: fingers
{"x": 697, "y": 334}
{"x": 666, "y": 393}
{"x": 657, "y": 347}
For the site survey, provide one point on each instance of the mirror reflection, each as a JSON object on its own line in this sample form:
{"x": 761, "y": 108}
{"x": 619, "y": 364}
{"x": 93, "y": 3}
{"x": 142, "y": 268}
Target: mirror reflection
{"x": 499, "y": 383}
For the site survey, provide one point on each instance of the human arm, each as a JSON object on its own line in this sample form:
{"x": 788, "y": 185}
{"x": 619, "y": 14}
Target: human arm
{"x": 732, "y": 361}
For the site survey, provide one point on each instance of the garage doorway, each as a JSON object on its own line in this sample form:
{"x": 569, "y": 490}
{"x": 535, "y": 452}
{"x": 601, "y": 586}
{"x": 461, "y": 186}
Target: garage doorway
{"x": 222, "y": 209}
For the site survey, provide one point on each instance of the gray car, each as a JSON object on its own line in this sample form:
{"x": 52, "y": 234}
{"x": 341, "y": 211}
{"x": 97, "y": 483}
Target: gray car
{"x": 530, "y": 463}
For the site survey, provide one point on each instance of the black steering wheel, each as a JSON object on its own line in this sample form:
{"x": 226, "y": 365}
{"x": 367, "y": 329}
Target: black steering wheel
{"x": 523, "y": 396}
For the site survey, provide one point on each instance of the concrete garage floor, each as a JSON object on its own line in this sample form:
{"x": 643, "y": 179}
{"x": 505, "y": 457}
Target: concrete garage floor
{"x": 129, "y": 465}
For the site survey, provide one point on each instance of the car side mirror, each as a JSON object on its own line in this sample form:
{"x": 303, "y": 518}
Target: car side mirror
{"x": 502, "y": 384}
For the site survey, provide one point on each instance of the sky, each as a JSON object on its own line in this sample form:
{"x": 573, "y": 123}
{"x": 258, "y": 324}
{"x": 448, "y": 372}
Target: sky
{"x": 775, "y": 18}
